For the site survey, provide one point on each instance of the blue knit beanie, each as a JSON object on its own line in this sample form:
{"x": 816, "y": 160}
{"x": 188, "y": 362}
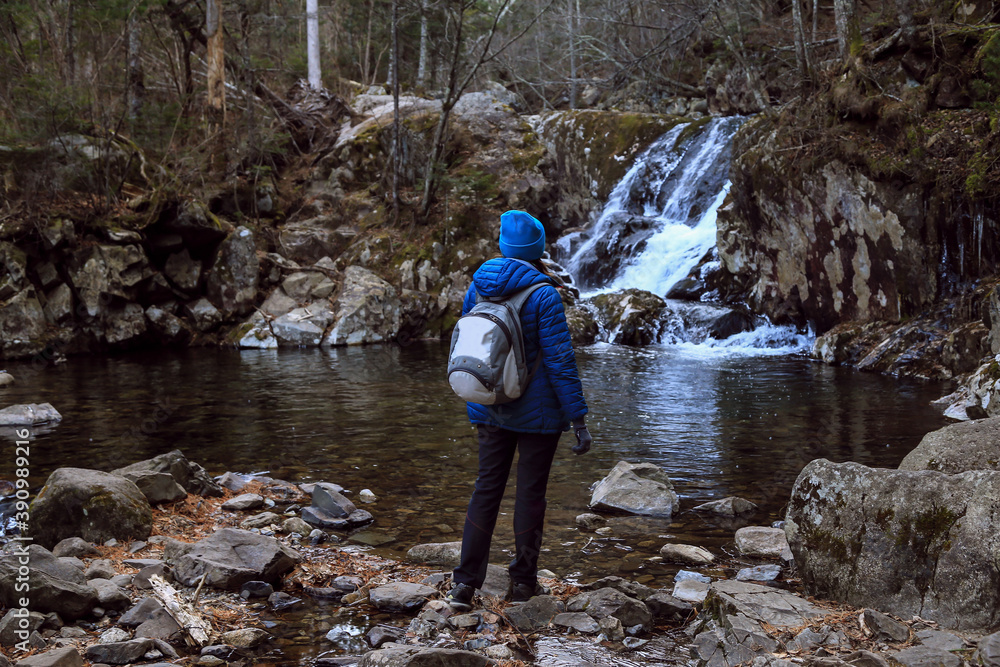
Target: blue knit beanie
{"x": 521, "y": 236}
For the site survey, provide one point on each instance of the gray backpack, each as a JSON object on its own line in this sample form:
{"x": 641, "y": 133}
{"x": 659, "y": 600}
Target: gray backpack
{"x": 487, "y": 363}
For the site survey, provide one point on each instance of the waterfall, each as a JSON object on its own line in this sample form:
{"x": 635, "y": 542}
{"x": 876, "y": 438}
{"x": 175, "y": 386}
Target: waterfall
{"x": 660, "y": 221}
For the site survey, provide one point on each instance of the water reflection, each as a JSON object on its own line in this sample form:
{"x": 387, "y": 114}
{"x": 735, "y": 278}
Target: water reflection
{"x": 384, "y": 418}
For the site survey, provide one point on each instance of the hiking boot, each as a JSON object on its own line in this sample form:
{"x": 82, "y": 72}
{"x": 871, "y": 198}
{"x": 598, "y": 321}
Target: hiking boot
{"x": 460, "y": 597}
{"x": 524, "y": 592}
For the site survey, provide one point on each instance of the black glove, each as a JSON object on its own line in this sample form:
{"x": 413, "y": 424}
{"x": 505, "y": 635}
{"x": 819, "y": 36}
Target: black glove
{"x": 583, "y": 439}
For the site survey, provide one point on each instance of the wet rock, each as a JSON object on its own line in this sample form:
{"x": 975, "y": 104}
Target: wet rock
{"x": 631, "y": 316}
{"x": 759, "y": 573}
{"x": 368, "y": 310}
{"x": 245, "y": 637}
{"x": 691, "y": 590}
{"x": 301, "y": 285}
{"x": 188, "y": 474}
{"x": 323, "y": 519}
{"x": 119, "y": 653}
{"x": 761, "y": 541}
{"x": 246, "y": 501}
{"x": 160, "y": 625}
{"x": 279, "y": 601}
{"x": 381, "y": 634}
{"x": 578, "y": 621}
{"x": 262, "y": 520}
{"x": 14, "y": 623}
{"x": 629, "y": 588}
{"x": 590, "y": 521}
{"x": 58, "y": 307}
{"x": 6, "y": 379}
{"x": 57, "y": 657}
{"x": 109, "y": 595}
{"x": 536, "y": 613}
{"x": 686, "y": 553}
{"x": 229, "y": 558}
{"x": 301, "y": 327}
{"x": 255, "y": 334}
{"x": 75, "y": 546}
{"x": 883, "y": 627}
{"x": 29, "y": 415}
{"x": 255, "y": 589}
{"x": 158, "y": 487}
{"x": 231, "y": 282}
{"x": 925, "y": 656}
{"x": 140, "y": 612}
{"x": 22, "y": 325}
{"x": 167, "y": 327}
{"x": 328, "y": 498}
{"x": 731, "y": 506}
{"x": 94, "y": 505}
{"x": 610, "y": 602}
{"x": 441, "y": 553}
{"x": 761, "y": 603}
{"x": 583, "y": 327}
{"x": 204, "y": 315}
{"x": 637, "y": 488}
{"x": 416, "y": 656}
{"x": 401, "y": 596}
{"x": 662, "y": 605}
{"x": 958, "y": 448}
{"x": 928, "y": 546}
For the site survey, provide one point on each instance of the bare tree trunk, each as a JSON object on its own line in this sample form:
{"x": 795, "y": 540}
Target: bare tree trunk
{"x": 424, "y": 44}
{"x": 801, "y": 55}
{"x": 136, "y": 88}
{"x": 312, "y": 44}
{"x": 574, "y": 9}
{"x": 847, "y": 26}
{"x": 216, "y": 58}
{"x": 395, "y": 112}
{"x": 70, "y": 39}
{"x": 365, "y": 64}
{"x": 815, "y": 19}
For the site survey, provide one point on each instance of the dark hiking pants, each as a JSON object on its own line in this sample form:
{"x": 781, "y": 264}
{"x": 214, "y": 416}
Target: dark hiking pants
{"x": 496, "y": 453}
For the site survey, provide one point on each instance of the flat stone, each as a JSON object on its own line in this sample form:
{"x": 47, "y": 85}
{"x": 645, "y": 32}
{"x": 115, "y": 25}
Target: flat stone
{"x": 939, "y": 639}
{"x": 244, "y": 502}
{"x": 141, "y": 563}
{"x": 327, "y": 498}
{"x": 683, "y": 575}
{"x": 160, "y": 625}
{"x": 686, "y": 553}
{"x": 773, "y": 606}
{"x": 141, "y": 580}
{"x": 578, "y": 621}
{"x": 536, "y": 613}
{"x": 731, "y": 506}
{"x": 663, "y": 605}
{"x": 119, "y": 653}
{"x": 262, "y": 520}
{"x": 188, "y": 474}
{"x": 110, "y": 596}
{"x": 245, "y": 637}
{"x": 382, "y": 634}
{"x": 29, "y": 415}
{"x": 589, "y": 521}
{"x": 690, "y": 590}
{"x": 885, "y": 628}
{"x": 99, "y": 569}
{"x": 759, "y": 573}
{"x": 416, "y": 656}
{"x": 439, "y": 553}
{"x": 113, "y": 636}
{"x": 295, "y": 525}
{"x": 925, "y": 656}
{"x": 59, "y": 657}
{"x": 158, "y": 487}
{"x": 761, "y": 541}
{"x": 372, "y": 538}
{"x": 140, "y": 612}
{"x": 611, "y": 602}
{"x": 13, "y": 621}
{"x": 76, "y": 547}
{"x": 229, "y": 557}
{"x": 988, "y": 651}
{"x": 401, "y": 596}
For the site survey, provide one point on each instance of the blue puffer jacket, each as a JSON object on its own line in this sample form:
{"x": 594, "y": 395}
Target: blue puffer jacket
{"x": 554, "y": 397}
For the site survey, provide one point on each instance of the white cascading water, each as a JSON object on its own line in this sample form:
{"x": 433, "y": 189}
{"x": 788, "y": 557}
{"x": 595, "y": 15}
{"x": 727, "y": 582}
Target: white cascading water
{"x": 660, "y": 221}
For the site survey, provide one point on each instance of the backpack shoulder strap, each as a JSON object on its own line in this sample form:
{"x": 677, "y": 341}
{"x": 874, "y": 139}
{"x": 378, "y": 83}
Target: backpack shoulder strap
{"x": 518, "y": 299}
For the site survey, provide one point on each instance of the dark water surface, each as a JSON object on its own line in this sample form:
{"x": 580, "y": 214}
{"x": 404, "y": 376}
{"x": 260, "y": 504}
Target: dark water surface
{"x": 384, "y": 418}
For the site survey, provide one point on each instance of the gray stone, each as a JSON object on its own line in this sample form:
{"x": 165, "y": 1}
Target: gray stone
{"x": 100, "y": 569}
{"x": 110, "y": 596}
{"x": 58, "y": 307}
{"x": 368, "y": 310}
{"x": 167, "y": 327}
{"x": 158, "y": 487}
{"x": 688, "y": 575}
{"x": 665, "y": 606}
{"x": 939, "y": 639}
{"x": 497, "y": 581}
{"x": 230, "y": 557}
{"x": 245, "y": 637}
{"x": 578, "y": 621}
{"x": 280, "y": 600}
{"x": 611, "y": 629}
{"x": 124, "y": 324}
{"x": 159, "y": 625}
{"x": 883, "y": 627}
{"x": 204, "y": 315}
{"x": 262, "y": 520}
{"x": 312, "y": 239}
{"x": 231, "y": 282}
{"x": 277, "y": 304}
{"x": 589, "y": 521}
{"x": 610, "y": 602}
{"x": 536, "y": 613}
{"x": 235, "y": 482}
{"x": 188, "y": 474}
{"x": 119, "y": 653}
{"x": 300, "y": 285}
{"x": 761, "y": 604}
{"x": 57, "y": 657}
{"x": 759, "y": 573}
{"x": 301, "y": 327}
{"x": 243, "y": 502}
{"x": 295, "y": 525}
{"x": 183, "y": 271}
{"x": 113, "y": 635}
{"x": 691, "y": 590}
{"x": 988, "y": 651}
{"x": 629, "y": 588}
{"x": 328, "y": 498}
{"x": 731, "y": 506}
{"x": 909, "y": 543}
{"x": 142, "y": 579}
{"x": 761, "y": 541}
{"x": 416, "y": 656}
{"x": 16, "y": 627}
{"x": 6, "y": 379}
{"x": 142, "y": 611}
{"x": 29, "y": 415}
{"x": 381, "y": 634}
{"x": 958, "y": 448}
{"x": 54, "y": 586}
{"x": 256, "y": 334}
{"x": 401, "y": 596}
{"x": 436, "y": 553}
{"x": 74, "y": 546}
{"x": 686, "y": 553}
{"x": 22, "y": 325}
{"x": 255, "y": 589}
{"x": 636, "y": 488}
{"x": 925, "y": 656}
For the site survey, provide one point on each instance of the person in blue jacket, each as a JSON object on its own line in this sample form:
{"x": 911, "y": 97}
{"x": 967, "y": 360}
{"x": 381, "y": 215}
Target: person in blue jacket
{"x": 530, "y": 425}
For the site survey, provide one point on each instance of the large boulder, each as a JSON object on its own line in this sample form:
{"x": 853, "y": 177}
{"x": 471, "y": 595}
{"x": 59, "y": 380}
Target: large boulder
{"x": 631, "y": 317}
{"x": 53, "y": 585}
{"x": 29, "y": 415}
{"x": 906, "y": 542}
{"x": 368, "y": 310}
{"x": 229, "y": 558}
{"x": 973, "y": 445}
{"x": 313, "y": 239}
{"x": 94, "y": 505}
{"x": 188, "y": 474}
{"x": 22, "y": 325}
{"x": 636, "y": 488}
{"x": 418, "y": 656}
{"x": 610, "y": 602}
{"x": 231, "y": 283}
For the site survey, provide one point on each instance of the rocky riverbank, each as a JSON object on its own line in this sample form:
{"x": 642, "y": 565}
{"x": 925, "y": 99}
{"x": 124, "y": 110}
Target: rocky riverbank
{"x": 163, "y": 564}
